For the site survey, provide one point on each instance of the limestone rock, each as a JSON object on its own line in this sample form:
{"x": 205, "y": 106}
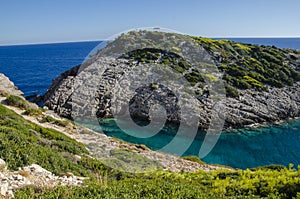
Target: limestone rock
{"x": 252, "y": 107}
{"x": 8, "y": 87}
{"x": 33, "y": 175}
{"x": 3, "y": 166}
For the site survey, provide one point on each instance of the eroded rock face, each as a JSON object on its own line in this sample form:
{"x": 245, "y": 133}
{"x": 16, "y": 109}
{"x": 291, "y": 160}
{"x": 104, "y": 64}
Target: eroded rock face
{"x": 255, "y": 107}
{"x": 252, "y": 107}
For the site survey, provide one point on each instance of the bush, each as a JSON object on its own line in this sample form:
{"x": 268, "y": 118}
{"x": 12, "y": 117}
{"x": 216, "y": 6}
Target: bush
{"x": 50, "y": 119}
{"x": 270, "y": 167}
{"x": 255, "y": 83}
{"x": 231, "y": 92}
{"x": 33, "y": 112}
{"x": 194, "y": 77}
{"x": 16, "y": 101}
{"x": 163, "y": 184}
{"x": 193, "y": 159}
{"x": 153, "y": 87}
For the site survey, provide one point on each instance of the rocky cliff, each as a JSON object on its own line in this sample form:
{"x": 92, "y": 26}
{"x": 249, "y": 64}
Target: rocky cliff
{"x": 8, "y": 87}
{"x": 253, "y": 97}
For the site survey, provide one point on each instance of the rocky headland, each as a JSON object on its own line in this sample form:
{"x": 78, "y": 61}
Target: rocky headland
{"x": 261, "y": 83}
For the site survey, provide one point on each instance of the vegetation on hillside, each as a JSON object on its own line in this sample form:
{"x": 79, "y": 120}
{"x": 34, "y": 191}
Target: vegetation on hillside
{"x": 152, "y": 55}
{"x": 261, "y": 183}
{"x": 16, "y": 101}
{"x": 252, "y": 66}
{"x": 23, "y": 143}
{"x": 244, "y": 66}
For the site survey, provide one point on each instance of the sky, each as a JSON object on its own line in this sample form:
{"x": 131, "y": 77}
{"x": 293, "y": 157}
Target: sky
{"x": 39, "y": 21}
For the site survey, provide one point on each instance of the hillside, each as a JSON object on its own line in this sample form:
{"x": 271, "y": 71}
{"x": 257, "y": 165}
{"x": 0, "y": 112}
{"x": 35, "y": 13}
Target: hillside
{"x": 247, "y": 66}
{"x": 57, "y": 149}
{"x": 261, "y": 83}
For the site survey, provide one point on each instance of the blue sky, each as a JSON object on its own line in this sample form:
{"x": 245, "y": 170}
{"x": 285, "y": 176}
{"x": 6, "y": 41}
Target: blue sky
{"x": 39, "y": 21}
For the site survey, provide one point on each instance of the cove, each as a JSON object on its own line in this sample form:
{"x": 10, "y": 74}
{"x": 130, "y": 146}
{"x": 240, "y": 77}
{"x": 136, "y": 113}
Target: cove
{"x": 243, "y": 148}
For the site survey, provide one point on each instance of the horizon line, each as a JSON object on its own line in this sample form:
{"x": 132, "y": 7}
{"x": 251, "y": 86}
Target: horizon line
{"x": 99, "y": 40}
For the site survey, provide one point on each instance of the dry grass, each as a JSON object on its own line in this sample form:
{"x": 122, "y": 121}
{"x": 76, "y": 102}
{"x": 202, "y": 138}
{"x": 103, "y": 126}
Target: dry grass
{"x": 25, "y": 174}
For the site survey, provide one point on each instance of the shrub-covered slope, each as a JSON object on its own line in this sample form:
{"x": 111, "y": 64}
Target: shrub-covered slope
{"x": 252, "y": 66}
{"x": 261, "y": 183}
{"x": 244, "y": 66}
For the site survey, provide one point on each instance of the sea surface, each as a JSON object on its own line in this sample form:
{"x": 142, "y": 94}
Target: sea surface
{"x": 278, "y": 42}
{"x": 33, "y": 67}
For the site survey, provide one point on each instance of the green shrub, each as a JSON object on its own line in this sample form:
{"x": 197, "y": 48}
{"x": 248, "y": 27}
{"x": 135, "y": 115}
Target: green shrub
{"x": 255, "y": 83}
{"x": 193, "y": 159}
{"x": 275, "y": 83}
{"x": 162, "y": 184}
{"x": 50, "y": 119}
{"x": 270, "y": 167}
{"x": 231, "y": 92}
{"x": 194, "y": 77}
{"x": 33, "y": 112}
{"x": 153, "y": 87}
{"x": 16, "y": 101}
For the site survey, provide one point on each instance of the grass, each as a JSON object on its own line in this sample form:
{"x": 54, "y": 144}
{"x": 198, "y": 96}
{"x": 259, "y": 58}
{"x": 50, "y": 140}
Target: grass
{"x": 19, "y": 147}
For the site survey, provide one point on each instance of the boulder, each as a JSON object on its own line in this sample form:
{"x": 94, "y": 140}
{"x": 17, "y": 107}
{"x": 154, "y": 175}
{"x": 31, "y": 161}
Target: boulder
{"x": 3, "y": 166}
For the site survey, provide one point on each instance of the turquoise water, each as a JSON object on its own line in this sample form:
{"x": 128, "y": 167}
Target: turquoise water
{"x": 246, "y": 148}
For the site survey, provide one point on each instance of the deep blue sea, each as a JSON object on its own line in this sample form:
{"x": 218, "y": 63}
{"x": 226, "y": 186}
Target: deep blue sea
{"x": 278, "y": 42}
{"x": 33, "y": 67}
